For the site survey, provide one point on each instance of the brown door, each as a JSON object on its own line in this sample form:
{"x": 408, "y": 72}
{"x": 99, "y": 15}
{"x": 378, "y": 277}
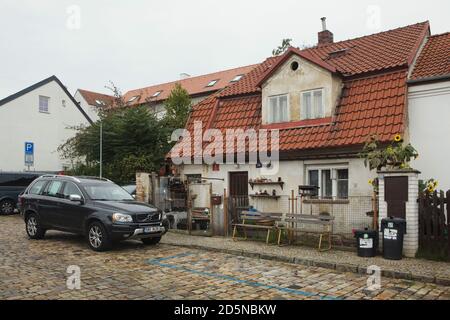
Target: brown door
{"x": 396, "y": 196}
{"x": 238, "y": 184}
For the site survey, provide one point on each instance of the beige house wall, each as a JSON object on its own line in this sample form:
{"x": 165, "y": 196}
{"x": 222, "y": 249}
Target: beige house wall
{"x": 307, "y": 77}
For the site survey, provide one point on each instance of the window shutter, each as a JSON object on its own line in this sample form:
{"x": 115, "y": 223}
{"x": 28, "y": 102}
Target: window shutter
{"x": 306, "y": 105}
{"x": 318, "y": 104}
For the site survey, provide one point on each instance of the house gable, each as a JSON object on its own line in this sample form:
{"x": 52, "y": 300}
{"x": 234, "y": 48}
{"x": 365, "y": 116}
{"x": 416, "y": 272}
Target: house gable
{"x": 296, "y": 76}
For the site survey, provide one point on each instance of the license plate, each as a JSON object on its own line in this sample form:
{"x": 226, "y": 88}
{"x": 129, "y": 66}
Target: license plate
{"x": 151, "y": 229}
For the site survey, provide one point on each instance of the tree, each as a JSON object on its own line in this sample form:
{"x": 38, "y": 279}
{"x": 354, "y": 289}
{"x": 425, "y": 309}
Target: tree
{"x": 178, "y": 105}
{"x": 285, "y": 44}
{"x": 133, "y": 140}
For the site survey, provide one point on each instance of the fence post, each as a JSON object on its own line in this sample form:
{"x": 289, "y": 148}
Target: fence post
{"x": 448, "y": 223}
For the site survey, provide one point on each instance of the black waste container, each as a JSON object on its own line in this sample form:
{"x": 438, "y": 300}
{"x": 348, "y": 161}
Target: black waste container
{"x": 366, "y": 242}
{"x": 393, "y": 230}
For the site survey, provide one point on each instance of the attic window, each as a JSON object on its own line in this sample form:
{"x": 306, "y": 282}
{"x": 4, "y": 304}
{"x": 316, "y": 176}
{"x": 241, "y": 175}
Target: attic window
{"x": 100, "y": 102}
{"x": 133, "y": 98}
{"x": 237, "y": 78}
{"x": 294, "y": 66}
{"x": 212, "y": 83}
{"x": 157, "y": 93}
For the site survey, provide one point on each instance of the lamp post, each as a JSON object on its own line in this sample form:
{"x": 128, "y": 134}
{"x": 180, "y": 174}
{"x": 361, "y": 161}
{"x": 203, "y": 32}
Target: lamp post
{"x": 101, "y": 148}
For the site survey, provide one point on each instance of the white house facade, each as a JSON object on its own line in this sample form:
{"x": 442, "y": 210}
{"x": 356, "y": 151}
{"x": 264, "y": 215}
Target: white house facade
{"x": 429, "y": 110}
{"x": 43, "y": 116}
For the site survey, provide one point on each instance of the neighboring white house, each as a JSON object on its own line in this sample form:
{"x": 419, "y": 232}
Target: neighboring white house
{"x": 42, "y": 115}
{"x": 198, "y": 87}
{"x": 429, "y": 110}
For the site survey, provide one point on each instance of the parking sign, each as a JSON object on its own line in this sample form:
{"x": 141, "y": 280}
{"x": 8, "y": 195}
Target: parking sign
{"x": 29, "y": 153}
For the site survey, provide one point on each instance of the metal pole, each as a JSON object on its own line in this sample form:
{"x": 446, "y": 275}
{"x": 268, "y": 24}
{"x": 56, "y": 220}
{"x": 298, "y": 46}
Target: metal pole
{"x": 101, "y": 148}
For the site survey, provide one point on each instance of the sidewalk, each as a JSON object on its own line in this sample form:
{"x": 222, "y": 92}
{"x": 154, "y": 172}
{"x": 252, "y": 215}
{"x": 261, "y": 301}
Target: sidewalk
{"x": 407, "y": 268}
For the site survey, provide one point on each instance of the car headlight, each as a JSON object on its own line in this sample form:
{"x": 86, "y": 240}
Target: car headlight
{"x": 120, "y": 217}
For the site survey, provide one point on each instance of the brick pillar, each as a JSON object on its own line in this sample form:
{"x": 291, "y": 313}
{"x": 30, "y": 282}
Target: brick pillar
{"x": 411, "y": 240}
{"x": 142, "y": 186}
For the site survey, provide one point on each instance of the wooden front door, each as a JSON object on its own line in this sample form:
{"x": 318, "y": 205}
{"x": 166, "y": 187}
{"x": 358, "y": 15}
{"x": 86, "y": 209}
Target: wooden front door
{"x": 239, "y": 184}
{"x": 396, "y": 196}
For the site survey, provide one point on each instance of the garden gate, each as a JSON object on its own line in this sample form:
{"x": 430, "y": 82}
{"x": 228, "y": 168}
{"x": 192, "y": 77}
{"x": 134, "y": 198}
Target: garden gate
{"x": 434, "y": 225}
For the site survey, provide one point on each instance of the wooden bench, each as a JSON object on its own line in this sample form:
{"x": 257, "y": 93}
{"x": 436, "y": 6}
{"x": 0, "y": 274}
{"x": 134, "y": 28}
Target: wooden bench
{"x": 293, "y": 224}
{"x": 257, "y": 221}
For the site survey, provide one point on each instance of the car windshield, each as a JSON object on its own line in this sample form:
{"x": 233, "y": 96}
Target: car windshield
{"x": 130, "y": 188}
{"x": 107, "y": 192}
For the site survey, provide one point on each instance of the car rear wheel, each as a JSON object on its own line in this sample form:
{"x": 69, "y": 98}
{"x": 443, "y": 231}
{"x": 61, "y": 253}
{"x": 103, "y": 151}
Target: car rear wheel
{"x": 151, "y": 241}
{"x": 7, "y": 207}
{"x": 98, "y": 238}
{"x": 33, "y": 227}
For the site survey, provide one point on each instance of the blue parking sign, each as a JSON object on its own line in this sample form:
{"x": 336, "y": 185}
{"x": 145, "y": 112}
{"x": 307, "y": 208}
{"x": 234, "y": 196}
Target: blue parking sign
{"x": 29, "y": 153}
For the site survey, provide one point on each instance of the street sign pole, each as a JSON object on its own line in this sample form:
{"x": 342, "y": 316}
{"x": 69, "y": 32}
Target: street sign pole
{"x": 101, "y": 148}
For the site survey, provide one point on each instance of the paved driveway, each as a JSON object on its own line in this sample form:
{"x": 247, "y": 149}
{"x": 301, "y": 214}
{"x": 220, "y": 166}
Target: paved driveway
{"x": 38, "y": 270}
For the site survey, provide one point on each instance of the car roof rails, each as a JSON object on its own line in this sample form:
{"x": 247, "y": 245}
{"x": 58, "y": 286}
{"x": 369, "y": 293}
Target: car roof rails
{"x": 59, "y": 176}
{"x": 94, "y": 178}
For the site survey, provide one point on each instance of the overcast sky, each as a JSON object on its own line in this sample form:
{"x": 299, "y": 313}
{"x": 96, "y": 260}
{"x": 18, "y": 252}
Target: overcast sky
{"x": 138, "y": 43}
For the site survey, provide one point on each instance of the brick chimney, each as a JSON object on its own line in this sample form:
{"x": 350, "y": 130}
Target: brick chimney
{"x": 325, "y": 36}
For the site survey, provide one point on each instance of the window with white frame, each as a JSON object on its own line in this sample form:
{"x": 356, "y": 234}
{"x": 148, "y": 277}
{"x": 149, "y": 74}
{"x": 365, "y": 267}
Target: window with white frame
{"x": 278, "y": 109}
{"x": 43, "y": 104}
{"x": 312, "y": 104}
{"x": 332, "y": 181}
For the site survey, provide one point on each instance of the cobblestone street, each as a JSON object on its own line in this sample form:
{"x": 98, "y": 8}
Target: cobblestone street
{"x": 38, "y": 270}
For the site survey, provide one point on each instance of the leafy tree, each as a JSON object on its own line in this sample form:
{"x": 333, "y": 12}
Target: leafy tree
{"x": 133, "y": 140}
{"x": 285, "y": 44}
{"x": 178, "y": 104}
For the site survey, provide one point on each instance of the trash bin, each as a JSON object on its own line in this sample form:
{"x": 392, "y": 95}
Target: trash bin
{"x": 366, "y": 242}
{"x": 393, "y": 230}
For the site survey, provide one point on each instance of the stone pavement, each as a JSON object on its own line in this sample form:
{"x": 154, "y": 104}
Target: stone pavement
{"x": 31, "y": 269}
{"x": 409, "y": 269}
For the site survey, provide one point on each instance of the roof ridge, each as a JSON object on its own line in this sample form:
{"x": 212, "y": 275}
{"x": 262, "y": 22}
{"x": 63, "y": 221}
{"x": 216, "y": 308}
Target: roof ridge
{"x": 439, "y": 34}
{"x": 95, "y": 92}
{"x": 365, "y": 36}
{"x": 191, "y": 78}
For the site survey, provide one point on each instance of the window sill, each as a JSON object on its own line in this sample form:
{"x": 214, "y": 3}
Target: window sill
{"x": 297, "y": 124}
{"x": 326, "y": 201}
{"x": 44, "y": 112}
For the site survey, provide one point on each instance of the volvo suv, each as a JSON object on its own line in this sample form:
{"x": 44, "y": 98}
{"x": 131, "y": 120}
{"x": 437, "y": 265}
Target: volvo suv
{"x": 97, "y": 208}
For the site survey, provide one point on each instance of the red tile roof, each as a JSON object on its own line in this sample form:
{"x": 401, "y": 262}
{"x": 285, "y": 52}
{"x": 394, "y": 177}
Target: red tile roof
{"x": 92, "y": 98}
{"x": 194, "y": 85}
{"x": 434, "y": 60}
{"x": 373, "y": 101}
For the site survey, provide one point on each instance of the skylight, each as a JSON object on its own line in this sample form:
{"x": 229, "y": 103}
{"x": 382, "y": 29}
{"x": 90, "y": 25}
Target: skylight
{"x": 101, "y": 102}
{"x": 157, "y": 93}
{"x": 133, "y": 98}
{"x": 212, "y": 83}
{"x": 237, "y": 78}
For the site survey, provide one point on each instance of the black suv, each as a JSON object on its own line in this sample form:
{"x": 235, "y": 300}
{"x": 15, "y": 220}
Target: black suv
{"x": 97, "y": 208}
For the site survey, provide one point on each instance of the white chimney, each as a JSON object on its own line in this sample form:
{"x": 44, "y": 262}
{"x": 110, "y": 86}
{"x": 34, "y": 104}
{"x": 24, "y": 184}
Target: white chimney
{"x": 324, "y": 23}
{"x": 184, "y": 76}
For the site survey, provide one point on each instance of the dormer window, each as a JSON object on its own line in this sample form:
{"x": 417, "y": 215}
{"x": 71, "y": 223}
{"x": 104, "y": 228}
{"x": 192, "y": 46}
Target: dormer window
{"x": 212, "y": 83}
{"x": 278, "y": 109}
{"x": 157, "y": 93}
{"x": 312, "y": 104}
{"x": 133, "y": 98}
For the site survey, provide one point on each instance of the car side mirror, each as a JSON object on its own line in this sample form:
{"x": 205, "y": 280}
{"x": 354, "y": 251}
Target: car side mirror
{"x": 134, "y": 196}
{"x": 75, "y": 198}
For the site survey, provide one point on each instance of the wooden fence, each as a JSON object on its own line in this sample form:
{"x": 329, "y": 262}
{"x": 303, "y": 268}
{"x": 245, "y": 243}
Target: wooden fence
{"x": 434, "y": 225}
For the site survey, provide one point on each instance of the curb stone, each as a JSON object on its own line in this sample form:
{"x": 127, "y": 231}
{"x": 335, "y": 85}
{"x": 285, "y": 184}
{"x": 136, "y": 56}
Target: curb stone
{"x": 342, "y": 267}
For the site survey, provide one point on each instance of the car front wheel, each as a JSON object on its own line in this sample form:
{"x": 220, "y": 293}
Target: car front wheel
{"x": 151, "y": 241}
{"x": 33, "y": 227}
{"x": 7, "y": 207}
{"x": 98, "y": 238}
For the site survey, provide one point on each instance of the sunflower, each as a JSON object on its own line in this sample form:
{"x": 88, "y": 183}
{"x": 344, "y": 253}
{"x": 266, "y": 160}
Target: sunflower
{"x": 370, "y": 181}
{"x": 397, "y": 138}
{"x": 430, "y": 188}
